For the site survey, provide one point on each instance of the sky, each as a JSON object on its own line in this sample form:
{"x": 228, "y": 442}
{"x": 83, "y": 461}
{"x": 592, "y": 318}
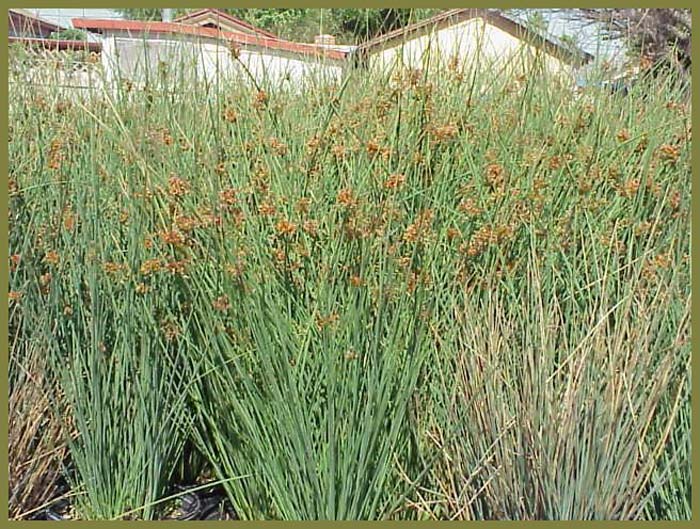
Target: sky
{"x": 62, "y": 17}
{"x": 559, "y": 24}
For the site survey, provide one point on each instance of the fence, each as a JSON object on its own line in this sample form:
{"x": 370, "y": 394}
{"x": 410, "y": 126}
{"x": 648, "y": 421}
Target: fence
{"x": 62, "y": 70}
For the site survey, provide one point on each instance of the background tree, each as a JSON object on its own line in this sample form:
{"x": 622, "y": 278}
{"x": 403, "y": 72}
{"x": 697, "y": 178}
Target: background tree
{"x": 146, "y": 13}
{"x": 537, "y": 21}
{"x": 349, "y": 25}
{"x": 571, "y": 41}
{"x": 661, "y": 35}
{"x": 69, "y": 34}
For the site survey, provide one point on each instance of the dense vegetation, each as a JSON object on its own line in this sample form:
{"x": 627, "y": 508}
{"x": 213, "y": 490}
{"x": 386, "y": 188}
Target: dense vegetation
{"x": 446, "y": 296}
{"x": 662, "y": 36}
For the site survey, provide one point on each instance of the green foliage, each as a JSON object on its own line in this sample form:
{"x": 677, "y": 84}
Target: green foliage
{"x": 569, "y": 40}
{"x": 363, "y": 24}
{"x": 662, "y": 35}
{"x": 69, "y": 34}
{"x": 537, "y": 21}
{"x": 142, "y": 13}
{"x": 455, "y": 296}
{"x": 350, "y": 25}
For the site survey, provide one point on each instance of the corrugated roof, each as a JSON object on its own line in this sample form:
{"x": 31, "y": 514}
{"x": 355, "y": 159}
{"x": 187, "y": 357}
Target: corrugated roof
{"x": 174, "y": 28}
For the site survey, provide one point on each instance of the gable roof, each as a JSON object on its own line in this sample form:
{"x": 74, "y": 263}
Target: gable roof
{"x": 32, "y": 31}
{"x": 174, "y": 28}
{"x": 23, "y": 21}
{"x": 225, "y": 21}
{"x": 492, "y": 16}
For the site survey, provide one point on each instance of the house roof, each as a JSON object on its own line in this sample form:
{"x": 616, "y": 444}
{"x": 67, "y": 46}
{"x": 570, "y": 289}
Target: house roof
{"x": 492, "y": 16}
{"x": 174, "y": 28}
{"x": 30, "y": 22}
{"x": 202, "y": 15}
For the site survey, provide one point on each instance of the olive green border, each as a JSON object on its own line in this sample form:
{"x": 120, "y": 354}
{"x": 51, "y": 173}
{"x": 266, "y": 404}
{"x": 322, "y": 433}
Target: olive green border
{"x": 4, "y": 275}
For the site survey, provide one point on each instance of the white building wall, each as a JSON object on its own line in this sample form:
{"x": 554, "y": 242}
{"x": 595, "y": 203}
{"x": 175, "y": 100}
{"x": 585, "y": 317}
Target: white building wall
{"x": 474, "y": 42}
{"x": 279, "y": 70}
{"x": 64, "y": 73}
{"x": 193, "y": 60}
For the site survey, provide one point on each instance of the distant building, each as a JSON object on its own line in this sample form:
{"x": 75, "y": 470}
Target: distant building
{"x": 62, "y": 16}
{"x": 32, "y": 31}
{"x": 137, "y": 51}
{"x": 218, "y": 19}
{"x": 328, "y": 41}
{"x": 38, "y": 59}
{"x": 472, "y": 37}
{"x": 22, "y": 24}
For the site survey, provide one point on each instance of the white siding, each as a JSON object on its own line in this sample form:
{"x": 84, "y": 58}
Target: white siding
{"x": 55, "y": 73}
{"x": 279, "y": 70}
{"x": 190, "y": 59}
{"x": 474, "y": 42}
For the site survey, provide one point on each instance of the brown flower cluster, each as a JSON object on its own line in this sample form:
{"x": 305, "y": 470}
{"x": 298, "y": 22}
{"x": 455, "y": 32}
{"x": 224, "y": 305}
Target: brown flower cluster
{"x": 279, "y": 147}
{"x": 51, "y": 257}
{"x": 669, "y": 153}
{"x": 487, "y": 235}
{"x": 56, "y": 155}
{"x": 172, "y": 237}
{"x": 285, "y": 228}
{"x": 177, "y": 187}
{"x": 468, "y": 206}
{"x": 261, "y": 99}
{"x": 443, "y": 133}
{"x": 303, "y": 205}
{"x": 221, "y": 304}
{"x": 14, "y": 296}
{"x": 229, "y": 197}
{"x": 14, "y": 262}
{"x": 421, "y": 229}
{"x": 310, "y": 227}
{"x": 346, "y": 198}
{"x": 266, "y": 209}
{"x": 328, "y": 320}
{"x": 395, "y": 181}
{"x": 495, "y": 176}
{"x": 151, "y": 266}
{"x": 629, "y": 188}
{"x": 186, "y": 223}
{"x": 177, "y": 267}
{"x": 623, "y": 135}
{"x": 110, "y": 267}
{"x": 230, "y": 114}
{"x": 313, "y": 144}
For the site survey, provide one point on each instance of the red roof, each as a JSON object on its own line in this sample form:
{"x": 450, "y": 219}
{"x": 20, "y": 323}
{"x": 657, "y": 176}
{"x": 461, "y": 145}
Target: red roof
{"x": 30, "y": 20}
{"x": 101, "y": 25}
{"x": 57, "y": 44}
{"x": 20, "y": 20}
{"x": 222, "y": 14}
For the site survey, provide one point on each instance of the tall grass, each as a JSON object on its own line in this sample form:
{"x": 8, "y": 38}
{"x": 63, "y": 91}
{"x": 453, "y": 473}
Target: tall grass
{"x": 415, "y": 295}
{"x": 551, "y": 396}
{"x": 36, "y": 437}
